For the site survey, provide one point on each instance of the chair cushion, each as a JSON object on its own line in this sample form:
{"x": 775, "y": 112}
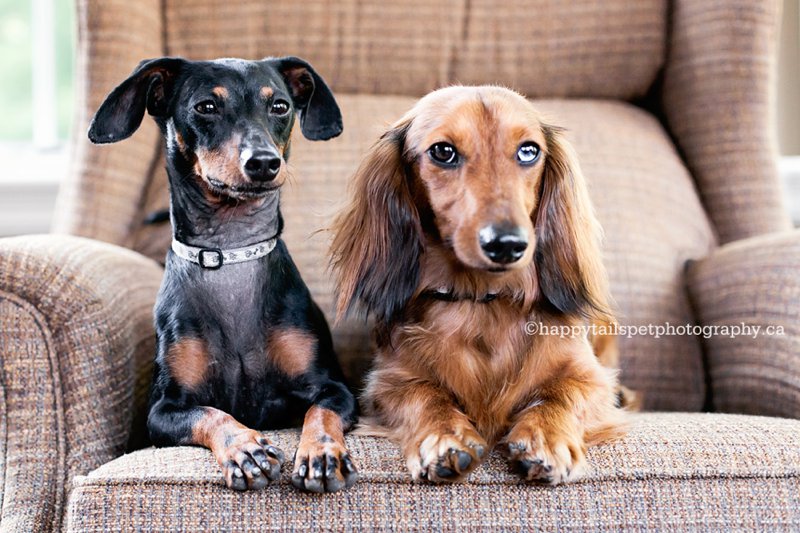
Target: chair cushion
{"x": 755, "y": 282}
{"x": 643, "y": 195}
{"x": 673, "y": 471}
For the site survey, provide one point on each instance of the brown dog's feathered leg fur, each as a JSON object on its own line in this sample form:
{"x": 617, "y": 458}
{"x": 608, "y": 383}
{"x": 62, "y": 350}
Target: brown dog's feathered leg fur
{"x": 438, "y": 440}
{"x": 572, "y": 410}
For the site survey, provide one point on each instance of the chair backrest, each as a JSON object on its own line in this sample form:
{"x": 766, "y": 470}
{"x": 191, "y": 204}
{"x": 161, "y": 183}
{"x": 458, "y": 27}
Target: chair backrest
{"x": 580, "y": 48}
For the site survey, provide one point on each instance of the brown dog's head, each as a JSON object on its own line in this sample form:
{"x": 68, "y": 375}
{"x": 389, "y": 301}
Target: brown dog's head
{"x": 476, "y": 171}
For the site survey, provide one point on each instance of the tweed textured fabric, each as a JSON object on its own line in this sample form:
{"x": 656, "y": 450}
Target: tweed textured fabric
{"x": 754, "y": 282}
{"x": 683, "y": 472}
{"x": 75, "y": 325}
{"x": 101, "y": 197}
{"x": 718, "y": 103}
{"x": 612, "y": 49}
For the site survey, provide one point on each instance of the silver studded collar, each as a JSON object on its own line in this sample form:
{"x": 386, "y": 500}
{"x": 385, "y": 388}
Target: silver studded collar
{"x": 214, "y": 258}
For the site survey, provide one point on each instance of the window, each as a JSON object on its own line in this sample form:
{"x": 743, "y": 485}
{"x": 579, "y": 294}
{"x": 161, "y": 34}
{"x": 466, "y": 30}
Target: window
{"x": 37, "y": 61}
{"x": 37, "y": 50}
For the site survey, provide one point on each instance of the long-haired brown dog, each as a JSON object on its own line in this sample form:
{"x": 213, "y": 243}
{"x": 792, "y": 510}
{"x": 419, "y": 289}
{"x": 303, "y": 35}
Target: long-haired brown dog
{"x": 471, "y": 219}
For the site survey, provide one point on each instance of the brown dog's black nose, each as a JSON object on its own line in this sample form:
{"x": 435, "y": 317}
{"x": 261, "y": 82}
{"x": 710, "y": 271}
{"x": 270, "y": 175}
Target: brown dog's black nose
{"x": 504, "y": 243}
{"x": 262, "y": 166}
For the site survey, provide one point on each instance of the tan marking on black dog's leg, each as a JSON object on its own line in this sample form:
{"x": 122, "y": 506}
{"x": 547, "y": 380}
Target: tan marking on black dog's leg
{"x": 322, "y": 463}
{"x": 247, "y": 458}
{"x": 188, "y": 362}
{"x": 291, "y": 350}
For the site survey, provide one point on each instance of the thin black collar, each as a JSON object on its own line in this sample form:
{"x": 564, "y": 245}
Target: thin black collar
{"x": 448, "y": 295}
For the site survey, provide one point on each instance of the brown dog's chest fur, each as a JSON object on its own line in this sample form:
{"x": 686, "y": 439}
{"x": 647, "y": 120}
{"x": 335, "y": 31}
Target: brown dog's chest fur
{"x": 482, "y": 354}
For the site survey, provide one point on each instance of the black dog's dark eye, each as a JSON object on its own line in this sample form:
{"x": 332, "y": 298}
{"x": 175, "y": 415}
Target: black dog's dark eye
{"x": 528, "y": 153}
{"x": 444, "y": 154}
{"x": 206, "y": 107}
{"x": 279, "y": 107}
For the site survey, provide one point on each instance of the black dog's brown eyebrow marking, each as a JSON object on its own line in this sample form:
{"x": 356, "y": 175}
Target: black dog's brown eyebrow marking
{"x": 188, "y": 361}
{"x": 220, "y": 91}
{"x": 291, "y": 350}
{"x": 180, "y": 142}
{"x": 266, "y": 92}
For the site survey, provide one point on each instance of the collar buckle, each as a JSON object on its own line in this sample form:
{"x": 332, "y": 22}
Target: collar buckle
{"x": 213, "y": 262}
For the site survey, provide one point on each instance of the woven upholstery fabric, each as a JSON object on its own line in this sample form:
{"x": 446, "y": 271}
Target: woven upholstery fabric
{"x": 753, "y": 282}
{"x": 101, "y": 198}
{"x": 718, "y": 102}
{"x": 611, "y": 49}
{"x": 75, "y": 325}
{"x": 672, "y": 472}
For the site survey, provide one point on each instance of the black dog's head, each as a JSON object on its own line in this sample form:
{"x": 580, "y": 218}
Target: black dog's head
{"x": 227, "y": 121}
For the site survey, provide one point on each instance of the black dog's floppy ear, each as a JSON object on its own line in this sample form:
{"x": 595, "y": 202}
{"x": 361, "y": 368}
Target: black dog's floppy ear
{"x": 149, "y": 87}
{"x": 320, "y": 118}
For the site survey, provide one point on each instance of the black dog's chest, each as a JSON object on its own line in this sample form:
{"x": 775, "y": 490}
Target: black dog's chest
{"x": 231, "y": 311}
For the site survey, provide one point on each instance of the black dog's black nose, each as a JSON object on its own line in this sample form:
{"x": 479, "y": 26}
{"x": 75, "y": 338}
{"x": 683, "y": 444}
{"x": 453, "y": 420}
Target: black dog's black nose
{"x": 262, "y": 166}
{"x": 503, "y": 244}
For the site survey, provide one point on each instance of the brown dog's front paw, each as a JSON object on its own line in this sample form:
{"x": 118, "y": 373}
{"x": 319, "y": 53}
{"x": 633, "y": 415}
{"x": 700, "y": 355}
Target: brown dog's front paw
{"x": 323, "y": 466}
{"x": 249, "y": 461}
{"x": 545, "y": 458}
{"x": 447, "y": 457}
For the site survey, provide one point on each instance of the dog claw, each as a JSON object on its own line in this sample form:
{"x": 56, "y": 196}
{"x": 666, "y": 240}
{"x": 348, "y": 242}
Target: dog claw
{"x": 277, "y": 453}
{"x": 447, "y": 457}
{"x": 464, "y": 460}
{"x": 479, "y": 451}
{"x": 328, "y": 469}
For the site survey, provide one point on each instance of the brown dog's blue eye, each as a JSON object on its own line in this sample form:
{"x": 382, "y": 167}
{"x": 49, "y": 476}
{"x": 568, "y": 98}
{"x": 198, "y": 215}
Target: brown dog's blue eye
{"x": 444, "y": 154}
{"x": 528, "y": 153}
{"x": 206, "y": 107}
{"x": 279, "y": 107}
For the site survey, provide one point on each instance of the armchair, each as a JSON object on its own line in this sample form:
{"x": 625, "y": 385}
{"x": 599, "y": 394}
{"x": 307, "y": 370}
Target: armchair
{"x": 669, "y": 107}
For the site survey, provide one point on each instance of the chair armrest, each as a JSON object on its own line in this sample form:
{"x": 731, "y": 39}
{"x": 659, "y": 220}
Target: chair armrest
{"x": 755, "y": 283}
{"x": 103, "y": 194}
{"x": 76, "y": 330}
{"x": 718, "y": 103}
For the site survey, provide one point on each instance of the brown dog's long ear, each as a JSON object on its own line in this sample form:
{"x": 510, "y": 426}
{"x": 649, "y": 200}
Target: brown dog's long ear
{"x": 149, "y": 87}
{"x": 567, "y": 259}
{"x": 378, "y": 238}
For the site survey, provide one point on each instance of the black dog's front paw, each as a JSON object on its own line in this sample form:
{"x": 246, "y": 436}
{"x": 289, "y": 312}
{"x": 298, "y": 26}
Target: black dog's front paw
{"x": 323, "y": 467}
{"x": 249, "y": 461}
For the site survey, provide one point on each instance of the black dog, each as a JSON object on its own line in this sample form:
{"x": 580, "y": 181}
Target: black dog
{"x": 241, "y": 344}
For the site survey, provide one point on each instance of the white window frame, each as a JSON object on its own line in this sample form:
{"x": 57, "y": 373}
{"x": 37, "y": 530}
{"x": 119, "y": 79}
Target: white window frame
{"x": 32, "y": 170}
